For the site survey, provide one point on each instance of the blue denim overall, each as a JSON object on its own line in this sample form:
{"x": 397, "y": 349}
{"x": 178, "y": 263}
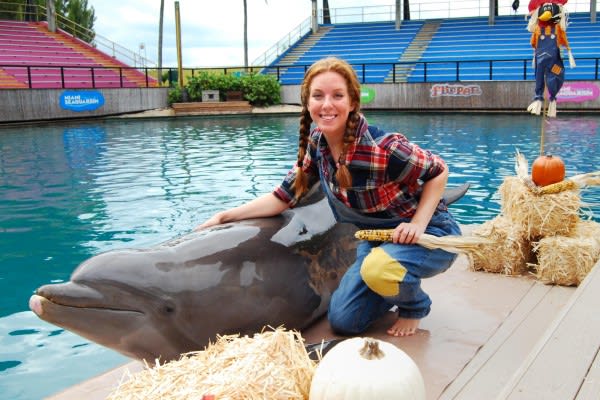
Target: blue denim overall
{"x": 549, "y": 67}
{"x": 354, "y": 306}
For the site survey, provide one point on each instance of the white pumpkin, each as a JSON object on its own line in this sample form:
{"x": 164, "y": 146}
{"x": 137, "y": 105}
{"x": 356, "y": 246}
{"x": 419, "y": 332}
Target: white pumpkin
{"x": 366, "y": 368}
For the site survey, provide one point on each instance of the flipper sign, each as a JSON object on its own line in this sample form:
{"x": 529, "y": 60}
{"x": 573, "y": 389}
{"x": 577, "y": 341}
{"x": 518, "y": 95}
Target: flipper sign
{"x": 81, "y": 100}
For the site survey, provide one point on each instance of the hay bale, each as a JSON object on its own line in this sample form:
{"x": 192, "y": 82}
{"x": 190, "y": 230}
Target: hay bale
{"x": 509, "y": 252}
{"x": 566, "y": 260}
{"x": 270, "y": 365}
{"x": 540, "y": 215}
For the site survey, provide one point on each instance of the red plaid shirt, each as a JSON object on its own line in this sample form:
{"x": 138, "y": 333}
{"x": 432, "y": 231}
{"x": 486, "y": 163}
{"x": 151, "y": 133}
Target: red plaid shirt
{"x": 387, "y": 172}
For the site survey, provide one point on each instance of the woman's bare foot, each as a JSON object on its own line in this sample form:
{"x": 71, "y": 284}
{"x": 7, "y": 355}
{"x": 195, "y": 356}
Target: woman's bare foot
{"x": 404, "y": 327}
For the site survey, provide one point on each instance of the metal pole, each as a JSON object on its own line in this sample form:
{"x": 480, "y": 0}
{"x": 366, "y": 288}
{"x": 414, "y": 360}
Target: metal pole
{"x": 491, "y": 20}
{"x": 314, "y": 21}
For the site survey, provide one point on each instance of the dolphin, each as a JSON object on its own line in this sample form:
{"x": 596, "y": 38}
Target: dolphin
{"x": 234, "y": 278}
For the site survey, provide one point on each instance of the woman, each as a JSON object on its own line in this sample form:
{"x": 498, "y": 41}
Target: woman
{"x": 374, "y": 180}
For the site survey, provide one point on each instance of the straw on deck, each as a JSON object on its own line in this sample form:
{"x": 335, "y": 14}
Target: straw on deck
{"x": 508, "y": 252}
{"x": 540, "y": 215}
{"x": 270, "y": 365}
{"x": 566, "y": 260}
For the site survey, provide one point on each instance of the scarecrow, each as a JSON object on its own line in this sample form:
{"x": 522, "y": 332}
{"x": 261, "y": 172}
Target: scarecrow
{"x": 548, "y": 26}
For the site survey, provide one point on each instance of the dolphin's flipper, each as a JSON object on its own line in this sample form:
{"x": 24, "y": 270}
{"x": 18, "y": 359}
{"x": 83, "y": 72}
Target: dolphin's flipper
{"x": 456, "y": 193}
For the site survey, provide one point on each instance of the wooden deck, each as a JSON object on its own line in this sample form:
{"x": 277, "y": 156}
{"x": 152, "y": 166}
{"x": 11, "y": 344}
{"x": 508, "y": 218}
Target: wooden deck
{"x": 488, "y": 336}
{"x": 212, "y": 107}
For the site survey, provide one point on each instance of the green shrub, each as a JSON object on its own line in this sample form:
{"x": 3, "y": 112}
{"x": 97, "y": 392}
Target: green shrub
{"x": 202, "y": 81}
{"x": 174, "y": 95}
{"x": 260, "y": 90}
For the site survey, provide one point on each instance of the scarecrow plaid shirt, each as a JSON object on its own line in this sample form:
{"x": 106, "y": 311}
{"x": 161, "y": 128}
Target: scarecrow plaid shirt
{"x": 387, "y": 172}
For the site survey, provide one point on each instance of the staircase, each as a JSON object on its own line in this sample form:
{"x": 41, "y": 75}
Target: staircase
{"x": 413, "y": 52}
{"x": 299, "y": 50}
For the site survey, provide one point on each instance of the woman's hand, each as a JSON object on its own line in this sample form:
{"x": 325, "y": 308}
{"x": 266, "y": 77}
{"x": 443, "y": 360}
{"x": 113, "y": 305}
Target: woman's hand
{"x": 214, "y": 220}
{"x": 266, "y": 205}
{"x": 407, "y": 233}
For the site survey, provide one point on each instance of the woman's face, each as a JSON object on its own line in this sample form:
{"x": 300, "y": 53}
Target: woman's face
{"x": 329, "y": 103}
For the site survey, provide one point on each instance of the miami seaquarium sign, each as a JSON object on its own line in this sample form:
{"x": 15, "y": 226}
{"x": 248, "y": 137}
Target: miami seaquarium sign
{"x": 577, "y": 92}
{"x": 81, "y": 100}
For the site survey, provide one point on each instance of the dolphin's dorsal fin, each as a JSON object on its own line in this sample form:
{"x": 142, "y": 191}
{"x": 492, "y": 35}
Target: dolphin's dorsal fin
{"x": 456, "y": 193}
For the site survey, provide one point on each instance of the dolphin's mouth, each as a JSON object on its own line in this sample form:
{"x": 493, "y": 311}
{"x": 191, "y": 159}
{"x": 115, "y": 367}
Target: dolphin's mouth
{"x": 74, "y": 296}
{"x": 38, "y": 304}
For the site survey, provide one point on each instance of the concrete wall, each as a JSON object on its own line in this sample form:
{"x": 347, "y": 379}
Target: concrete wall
{"x": 48, "y": 104}
{"x": 17, "y": 105}
{"x": 468, "y": 96}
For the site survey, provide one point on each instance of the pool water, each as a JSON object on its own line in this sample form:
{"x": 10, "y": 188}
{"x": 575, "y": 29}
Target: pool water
{"x": 71, "y": 190}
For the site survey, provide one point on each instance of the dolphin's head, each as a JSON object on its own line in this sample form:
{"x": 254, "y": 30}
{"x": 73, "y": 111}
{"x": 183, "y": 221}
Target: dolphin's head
{"x": 126, "y": 301}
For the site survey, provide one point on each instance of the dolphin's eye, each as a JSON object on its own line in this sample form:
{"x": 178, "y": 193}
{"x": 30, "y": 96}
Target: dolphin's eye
{"x": 168, "y": 308}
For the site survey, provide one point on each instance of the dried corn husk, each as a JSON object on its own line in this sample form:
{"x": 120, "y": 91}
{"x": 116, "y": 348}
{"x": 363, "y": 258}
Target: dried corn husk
{"x": 540, "y": 216}
{"x": 508, "y": 252}
{"x": 566, "y": 260}
{"x": 450, "y": 243}
{"x": 270, "y": 365}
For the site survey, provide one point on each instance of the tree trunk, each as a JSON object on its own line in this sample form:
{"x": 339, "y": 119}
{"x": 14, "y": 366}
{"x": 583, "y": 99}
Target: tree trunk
{"x": 160, "y": 39}
{"x": 245, "y": 35}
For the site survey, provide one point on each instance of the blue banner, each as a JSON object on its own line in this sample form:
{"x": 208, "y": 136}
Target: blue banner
{"x": 81, "y": 100}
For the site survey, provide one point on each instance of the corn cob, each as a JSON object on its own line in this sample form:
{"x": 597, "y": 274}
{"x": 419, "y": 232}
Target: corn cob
{"x": 375, "y": 235}
{"x": 451, "y": 243}
{"x": 558, "y": 187}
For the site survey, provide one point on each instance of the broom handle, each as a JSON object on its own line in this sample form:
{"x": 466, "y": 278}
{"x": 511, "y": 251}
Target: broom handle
{"x": 543, "y": 126}
{"x": 544, "y": 110}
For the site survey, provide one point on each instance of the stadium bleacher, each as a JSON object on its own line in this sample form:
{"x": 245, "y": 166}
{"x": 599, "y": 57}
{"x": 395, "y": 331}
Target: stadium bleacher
{"x": 378, "y": 44}
{"x": 31, "y": 56}
{"x": 465, "y": 49}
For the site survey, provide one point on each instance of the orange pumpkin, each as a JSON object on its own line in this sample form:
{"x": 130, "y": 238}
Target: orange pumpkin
{"x": 547, "y": 170}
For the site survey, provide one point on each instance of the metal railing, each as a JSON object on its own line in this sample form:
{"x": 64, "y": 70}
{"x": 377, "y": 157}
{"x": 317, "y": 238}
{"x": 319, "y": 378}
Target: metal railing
{"x": 69, "y": 77}
{"x": 78, "y": 77}
{"x": 284, "y": 44}
{"x": 447, "y": 71}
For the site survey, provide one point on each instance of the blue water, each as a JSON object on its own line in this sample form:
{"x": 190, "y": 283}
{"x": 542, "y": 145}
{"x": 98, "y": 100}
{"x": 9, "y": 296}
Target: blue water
{"x": 71, "y": 190}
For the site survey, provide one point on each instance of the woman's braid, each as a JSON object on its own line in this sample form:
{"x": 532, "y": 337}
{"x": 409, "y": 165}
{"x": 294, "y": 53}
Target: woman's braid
{"x": 343, "y": 173}
{"x": 301, "y": 181}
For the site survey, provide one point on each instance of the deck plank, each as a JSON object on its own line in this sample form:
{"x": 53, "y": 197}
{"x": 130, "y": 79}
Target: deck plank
{"x": 491, "y": 368}
{"x": 558, "y": 365}
{"x": 590, "y": 390}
